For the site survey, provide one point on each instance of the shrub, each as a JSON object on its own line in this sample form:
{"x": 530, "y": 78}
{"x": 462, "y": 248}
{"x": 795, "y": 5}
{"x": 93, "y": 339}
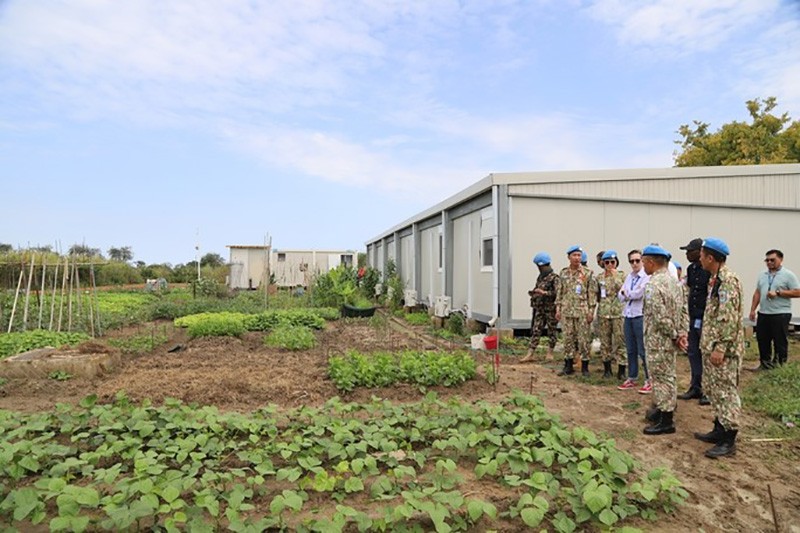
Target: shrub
{"x": 455, "y": 324}
{"x": 291, "y": 338}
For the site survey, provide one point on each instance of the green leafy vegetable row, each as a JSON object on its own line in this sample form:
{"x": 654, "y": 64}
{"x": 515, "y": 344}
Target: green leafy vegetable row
{"x": 370, "y": 467}
{"x": 23, "y": 341}
{"x": 381, "y": 369}
{"x": 234, "y": 324}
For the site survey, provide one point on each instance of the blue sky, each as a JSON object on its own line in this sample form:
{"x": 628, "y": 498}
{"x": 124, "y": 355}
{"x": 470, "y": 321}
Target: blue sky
{"x": 323, "y": 123}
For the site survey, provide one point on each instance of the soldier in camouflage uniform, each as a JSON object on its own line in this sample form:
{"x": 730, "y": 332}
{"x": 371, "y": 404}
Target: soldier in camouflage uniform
{"x": 722, "y": 346}
{"x": 665, "y": 324}
{"x": 609, "y": 314}
{"x": 543, "y": 302}
{"x": 576, "y": 299}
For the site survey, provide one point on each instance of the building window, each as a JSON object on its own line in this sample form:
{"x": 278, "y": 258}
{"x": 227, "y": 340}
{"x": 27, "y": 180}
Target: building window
{"x": 487, "y": 254}
{"x": 281, "y": 258}
{"x": 346, "y": 260}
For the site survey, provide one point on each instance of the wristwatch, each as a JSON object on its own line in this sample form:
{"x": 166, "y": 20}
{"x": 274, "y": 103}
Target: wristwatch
{"x": 778, "y": 292}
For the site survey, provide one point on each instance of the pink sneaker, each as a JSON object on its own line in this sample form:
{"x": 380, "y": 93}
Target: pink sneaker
{"x": 647, "y": 388}
{"x": 629, "y": 384}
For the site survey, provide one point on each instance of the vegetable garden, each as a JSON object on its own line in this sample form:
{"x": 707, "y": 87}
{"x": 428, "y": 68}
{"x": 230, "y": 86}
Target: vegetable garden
{"x": 288, "y": 418}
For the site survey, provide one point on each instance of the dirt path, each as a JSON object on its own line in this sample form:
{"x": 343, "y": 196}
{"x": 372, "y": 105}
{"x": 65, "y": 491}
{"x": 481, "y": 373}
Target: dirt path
{"x": 243, "y": 374}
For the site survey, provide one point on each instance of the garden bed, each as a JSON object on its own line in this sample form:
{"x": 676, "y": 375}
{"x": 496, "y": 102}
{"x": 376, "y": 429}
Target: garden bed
{"x": 243, "y": 375}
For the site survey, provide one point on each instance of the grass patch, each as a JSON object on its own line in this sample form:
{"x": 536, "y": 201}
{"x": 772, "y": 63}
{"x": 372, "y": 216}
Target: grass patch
{"x": 417, "y": 319}
{"x": 631, "y": 406}
{"x": 776, "y": 393}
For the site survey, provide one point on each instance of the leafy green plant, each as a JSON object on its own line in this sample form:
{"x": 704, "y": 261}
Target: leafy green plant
{"x": 455, "y": 324}
{"x": 374, "y": 466}
{"x": 291, "y": 338}
{"x": 382, "y": 369}
{"x": 214, "y": 324}
{"x": 59, "y": 375}
{"x": 139, "y": 344}
{"x": 23, "y": 341}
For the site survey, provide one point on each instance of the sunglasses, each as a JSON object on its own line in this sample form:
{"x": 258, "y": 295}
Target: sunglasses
{"x": 770, "y": 260}
{"x": 609, "y": 261}
{"x": 632, "y": 261}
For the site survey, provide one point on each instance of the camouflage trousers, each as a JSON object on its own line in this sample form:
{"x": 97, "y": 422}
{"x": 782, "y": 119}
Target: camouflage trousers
{"x": 576, "y": 334}
{"x": 662, "y": 373}
{"x": 544, "y": 319}
{"x": 721, "y": 385}
{"x": 612, "y": 340}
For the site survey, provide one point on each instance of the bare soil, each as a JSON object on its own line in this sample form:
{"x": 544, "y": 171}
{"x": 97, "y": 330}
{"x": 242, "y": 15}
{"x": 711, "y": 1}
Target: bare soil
{"x": 242, "y": 374}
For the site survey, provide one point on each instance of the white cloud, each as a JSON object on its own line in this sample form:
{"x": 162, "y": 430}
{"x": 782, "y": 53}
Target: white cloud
{"x": 679, "y": 26}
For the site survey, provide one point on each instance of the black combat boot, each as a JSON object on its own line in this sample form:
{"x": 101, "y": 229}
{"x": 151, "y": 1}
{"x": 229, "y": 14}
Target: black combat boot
{"x": 607, "y": 373}
{"x": 662, "y": 426}
{"x": 712, "y": 436}
{"x": 568, "y": 370}
{"x": 725, "y": 446}
{"x": 585, "y": 369}
{"x": 651, "y": 415}
{"x": 694, "y": 393}
{"x": 704, "y": 400}
{"x": 622, "y": 372}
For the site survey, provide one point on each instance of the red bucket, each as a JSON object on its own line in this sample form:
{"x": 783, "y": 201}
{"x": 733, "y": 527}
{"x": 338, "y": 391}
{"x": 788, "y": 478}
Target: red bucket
{"x": 490, "y": 342}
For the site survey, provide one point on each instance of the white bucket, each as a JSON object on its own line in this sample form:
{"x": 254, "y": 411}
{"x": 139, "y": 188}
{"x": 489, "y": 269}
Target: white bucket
{"x": 477, "y": 341}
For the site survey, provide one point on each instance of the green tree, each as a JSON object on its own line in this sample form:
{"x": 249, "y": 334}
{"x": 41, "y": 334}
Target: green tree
{"x": 123, "y": 253}
{"x": 212, "y": 260}
{"x": 82, "y": 249}
{"x": 768, "y": 139}
{"x": 5, "y": 248}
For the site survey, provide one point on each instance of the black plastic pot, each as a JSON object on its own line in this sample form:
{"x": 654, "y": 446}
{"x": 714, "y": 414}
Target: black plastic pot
{"x": 348, "y": 311}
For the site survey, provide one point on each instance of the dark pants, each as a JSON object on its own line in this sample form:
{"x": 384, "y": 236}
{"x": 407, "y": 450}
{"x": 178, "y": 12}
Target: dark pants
{"x": 773, "y": 330}
{"x": 634, "y": 345}
{"x": 695, "y": 357}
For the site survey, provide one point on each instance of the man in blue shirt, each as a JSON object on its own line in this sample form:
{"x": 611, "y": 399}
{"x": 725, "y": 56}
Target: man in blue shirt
{"x": 772, "y": 298}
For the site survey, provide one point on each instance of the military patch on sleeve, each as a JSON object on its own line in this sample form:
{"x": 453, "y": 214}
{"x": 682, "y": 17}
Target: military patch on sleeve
{"x": 648, "y": 291}
{"x": 723, "y": 296}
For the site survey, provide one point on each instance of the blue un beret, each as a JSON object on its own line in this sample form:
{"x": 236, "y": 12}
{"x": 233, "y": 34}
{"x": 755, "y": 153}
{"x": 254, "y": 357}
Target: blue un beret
{"x": 584, "y": 257}
{"x": 677, "y": 265}
{"x": 575, "y": 248}
{"x": 718, "y": 245}
{"x": 652, "y": 249}
{"x": 610, "y": 254}
{"x": 541, "y": 259}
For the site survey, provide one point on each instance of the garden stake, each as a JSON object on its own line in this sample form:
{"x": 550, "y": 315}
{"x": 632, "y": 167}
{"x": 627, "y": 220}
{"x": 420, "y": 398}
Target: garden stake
{"x": 94, "y": 295}
{"x": 772, "y": 504}
{"x": 53, "y": 303}
{"x": 63, "y": 288}
{"x": 497, "y": 360}
{"x": 28, "y": 295}
{"x": 16, "y": 298}
{"x": 41, "y": 293}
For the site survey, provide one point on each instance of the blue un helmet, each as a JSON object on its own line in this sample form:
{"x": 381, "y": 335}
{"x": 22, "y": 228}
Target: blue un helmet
{"x": 584, "y": 257}
{"x": 654, "y": 249}
{"x": 610, "y": 254}
{"x": 541, "y": 259}
{"x": 718, "y": 245}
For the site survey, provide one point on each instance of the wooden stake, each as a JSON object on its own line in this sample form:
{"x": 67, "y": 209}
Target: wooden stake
{"x": 772, "y": 504}
{"x": 69, "y": 297}
{"x": 41, "y": 293}
{"x": 53, "y": 303}
{"x": 96, "y": 303}
{"x": 16, "y": 297}
{"x": 28, "y": 295}
{"x": 78, "y": 295}
{"x": 63, "y": 289}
